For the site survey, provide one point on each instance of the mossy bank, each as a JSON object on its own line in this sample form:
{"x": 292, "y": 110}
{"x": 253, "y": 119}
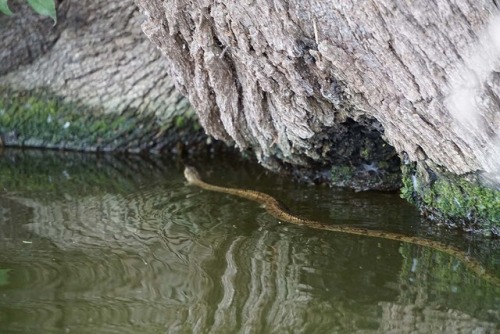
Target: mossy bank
{"x": 464, "y": 201}
{"x": 45, "y": 120}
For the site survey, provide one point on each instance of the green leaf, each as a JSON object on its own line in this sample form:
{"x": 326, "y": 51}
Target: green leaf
{"x": 4, "y": 7}
{"x": 44, "y": 7}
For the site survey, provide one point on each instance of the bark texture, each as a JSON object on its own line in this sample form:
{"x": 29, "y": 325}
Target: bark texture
{"x": 290, "y": 79}
{"x": 97, "y": 62}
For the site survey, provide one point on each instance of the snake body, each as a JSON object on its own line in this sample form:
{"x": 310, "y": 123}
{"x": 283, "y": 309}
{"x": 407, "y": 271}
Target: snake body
{"x": 278, "y": 210}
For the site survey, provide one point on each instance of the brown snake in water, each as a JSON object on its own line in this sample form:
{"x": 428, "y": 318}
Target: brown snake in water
{"x": 277, "y": 210}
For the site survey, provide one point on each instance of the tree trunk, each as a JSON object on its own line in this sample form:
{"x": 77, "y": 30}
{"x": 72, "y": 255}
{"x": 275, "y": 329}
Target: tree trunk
{"x": 107, "y": 83}
{"x": 324, "y": 85}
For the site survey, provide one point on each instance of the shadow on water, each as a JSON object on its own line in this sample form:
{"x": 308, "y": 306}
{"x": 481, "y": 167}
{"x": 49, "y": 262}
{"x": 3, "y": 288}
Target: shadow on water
{"x": 121, "y": 244}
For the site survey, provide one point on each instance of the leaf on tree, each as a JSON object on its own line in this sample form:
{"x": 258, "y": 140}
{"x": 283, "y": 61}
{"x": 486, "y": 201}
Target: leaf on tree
{"x": 44, "y": 7}
{"x": 4, "y": 7}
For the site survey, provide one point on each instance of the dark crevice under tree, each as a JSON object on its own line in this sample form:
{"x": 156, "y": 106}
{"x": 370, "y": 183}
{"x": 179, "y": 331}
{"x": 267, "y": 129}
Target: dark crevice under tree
{"x": 350, "y": 91}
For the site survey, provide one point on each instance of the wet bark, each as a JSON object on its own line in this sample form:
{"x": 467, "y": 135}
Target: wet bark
{"x": 296, "y": 81}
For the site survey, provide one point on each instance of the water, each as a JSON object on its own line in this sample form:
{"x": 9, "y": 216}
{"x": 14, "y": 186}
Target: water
{"x": 94, "y": 244}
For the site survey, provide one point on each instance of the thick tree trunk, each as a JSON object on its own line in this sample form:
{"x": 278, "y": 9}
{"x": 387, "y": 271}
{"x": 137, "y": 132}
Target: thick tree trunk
{"x": 272, "y": 75}
{"x": 70, "y": 57}
{"x": 108, "y": 83}
{"x": 319, "y": 83}
{"x": 336, "y": 91}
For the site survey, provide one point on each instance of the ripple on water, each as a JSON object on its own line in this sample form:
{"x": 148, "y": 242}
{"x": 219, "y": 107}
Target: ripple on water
{"x": 93, "y": 291}
{"x": 121, "y": 222}
{"x": 163, "y": 257}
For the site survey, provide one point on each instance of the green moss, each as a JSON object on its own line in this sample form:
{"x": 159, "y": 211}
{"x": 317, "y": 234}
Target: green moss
{"x": 365, "y": 153}
{"x": 461, "y": 198}
{"x": 456, "y": 199}
{"x": 407, "y": 189}
{"x": 45, "y": 119}
{"x": 38, "y": 119}
{"x": 183, "y": 122}
{"x": 179, "y": 121}
{"x": 341, "y": 173}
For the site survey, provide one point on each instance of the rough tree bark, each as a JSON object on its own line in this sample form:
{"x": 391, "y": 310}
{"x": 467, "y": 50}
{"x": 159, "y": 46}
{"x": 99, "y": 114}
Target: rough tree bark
{"x": 108, "y": 84}
{"x": 326, "y": 85}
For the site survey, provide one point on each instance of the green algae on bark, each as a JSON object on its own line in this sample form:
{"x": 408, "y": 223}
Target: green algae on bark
{"x": 455, "y": 200}
{"x": 39, "y": 119}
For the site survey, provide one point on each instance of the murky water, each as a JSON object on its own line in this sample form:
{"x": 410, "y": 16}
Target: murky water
{"x": 122, "y": 245}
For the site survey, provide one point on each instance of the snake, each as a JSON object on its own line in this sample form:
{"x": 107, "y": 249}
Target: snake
{"x": 276, "y": 209}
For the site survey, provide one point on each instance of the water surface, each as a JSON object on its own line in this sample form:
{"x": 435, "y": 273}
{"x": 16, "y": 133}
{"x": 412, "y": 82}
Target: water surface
{"x": 101, "y": 244}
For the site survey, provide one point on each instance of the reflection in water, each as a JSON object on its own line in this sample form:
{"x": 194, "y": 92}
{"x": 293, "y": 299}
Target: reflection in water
{"x": 95, "y": 244}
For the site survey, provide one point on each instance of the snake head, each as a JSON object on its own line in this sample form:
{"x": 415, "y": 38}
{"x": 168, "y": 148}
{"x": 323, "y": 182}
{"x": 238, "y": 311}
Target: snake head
{"x": 191, "y": 174}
